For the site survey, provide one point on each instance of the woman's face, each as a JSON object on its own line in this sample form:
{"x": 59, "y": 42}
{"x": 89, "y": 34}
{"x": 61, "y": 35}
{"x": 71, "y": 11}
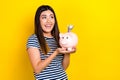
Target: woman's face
{"x": 47, "y": 21}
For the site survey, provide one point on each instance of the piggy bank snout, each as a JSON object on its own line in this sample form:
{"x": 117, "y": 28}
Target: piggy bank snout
{"x": 63, "y": 42}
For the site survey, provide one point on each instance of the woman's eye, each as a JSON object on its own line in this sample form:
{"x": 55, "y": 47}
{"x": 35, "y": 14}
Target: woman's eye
{"x": 52, "y": 17}
{"x": 44, "y": 17}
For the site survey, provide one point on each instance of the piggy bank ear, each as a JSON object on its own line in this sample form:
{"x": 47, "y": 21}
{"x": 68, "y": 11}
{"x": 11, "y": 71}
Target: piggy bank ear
{"x": 61, "y": 34}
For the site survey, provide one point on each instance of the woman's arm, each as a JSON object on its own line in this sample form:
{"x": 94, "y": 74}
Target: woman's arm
{"x": 38, "y": 64}
{"x": 66, "y": 61}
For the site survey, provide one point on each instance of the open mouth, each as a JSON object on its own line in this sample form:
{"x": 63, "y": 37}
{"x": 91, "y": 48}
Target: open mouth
{"x": 48, "y": 26}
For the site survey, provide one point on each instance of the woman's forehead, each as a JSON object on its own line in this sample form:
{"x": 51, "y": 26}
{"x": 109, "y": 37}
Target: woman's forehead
{"x": 47, "y": 12}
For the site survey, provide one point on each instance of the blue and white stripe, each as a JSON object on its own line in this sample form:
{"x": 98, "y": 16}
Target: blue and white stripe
{"x": 54, "y": 71}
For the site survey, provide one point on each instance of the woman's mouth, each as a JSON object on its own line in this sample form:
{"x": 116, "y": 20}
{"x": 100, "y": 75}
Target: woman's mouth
{"x": 48, "y": 26}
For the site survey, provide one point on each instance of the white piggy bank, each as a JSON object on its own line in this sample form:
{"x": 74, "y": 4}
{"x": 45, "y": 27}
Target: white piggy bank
{"x": 68, "y": 40}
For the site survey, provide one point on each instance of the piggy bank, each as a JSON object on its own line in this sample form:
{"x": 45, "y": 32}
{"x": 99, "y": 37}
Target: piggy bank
{"x": 68, "y": 40}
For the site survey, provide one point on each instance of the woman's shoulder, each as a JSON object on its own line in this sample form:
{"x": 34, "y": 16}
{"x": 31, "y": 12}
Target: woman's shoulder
{"x": 32, "y": 36}
{"x": 32, "y": 41}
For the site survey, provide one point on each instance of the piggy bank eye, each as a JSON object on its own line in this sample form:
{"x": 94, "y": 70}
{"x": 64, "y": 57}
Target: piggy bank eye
{"x": 62, "y": 37}
{"x": 66, "y": 37}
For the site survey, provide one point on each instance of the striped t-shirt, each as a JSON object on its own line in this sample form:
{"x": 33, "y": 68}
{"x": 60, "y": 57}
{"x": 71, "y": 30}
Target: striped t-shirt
{"x": 54, "y": 71}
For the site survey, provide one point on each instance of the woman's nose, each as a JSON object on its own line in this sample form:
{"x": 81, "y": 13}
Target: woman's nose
{"x": 48, "y": 20}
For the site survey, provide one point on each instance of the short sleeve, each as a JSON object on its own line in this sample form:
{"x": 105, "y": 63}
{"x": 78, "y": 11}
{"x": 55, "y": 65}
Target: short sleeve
{"x": 32, "y": 42}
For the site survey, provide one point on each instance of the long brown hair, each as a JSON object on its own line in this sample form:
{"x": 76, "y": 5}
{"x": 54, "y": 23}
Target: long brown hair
{"x": 38, "y": 29}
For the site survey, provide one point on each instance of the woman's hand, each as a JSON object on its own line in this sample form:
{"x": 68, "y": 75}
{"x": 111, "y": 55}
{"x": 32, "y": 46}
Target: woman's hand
{"x": 65, "y": 51}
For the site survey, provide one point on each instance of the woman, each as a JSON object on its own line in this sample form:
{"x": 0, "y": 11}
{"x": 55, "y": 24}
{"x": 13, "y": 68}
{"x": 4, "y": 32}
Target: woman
{"x": 48, "y": 60}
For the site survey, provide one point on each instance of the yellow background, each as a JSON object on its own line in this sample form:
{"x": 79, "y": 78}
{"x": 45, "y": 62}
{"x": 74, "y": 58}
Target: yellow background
{"x": 96, "y": 22}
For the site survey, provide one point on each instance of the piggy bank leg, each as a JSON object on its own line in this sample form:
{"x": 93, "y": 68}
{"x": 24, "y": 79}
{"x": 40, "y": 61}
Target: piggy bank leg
{"x": 69, "y": 49}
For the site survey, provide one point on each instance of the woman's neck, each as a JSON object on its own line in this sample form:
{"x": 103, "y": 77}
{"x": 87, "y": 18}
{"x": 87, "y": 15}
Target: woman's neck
{"x": 47, "y": 35}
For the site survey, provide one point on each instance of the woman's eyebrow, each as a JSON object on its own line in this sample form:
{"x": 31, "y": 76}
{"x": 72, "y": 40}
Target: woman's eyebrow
{"x": 46, "y": 15}
{"x": 43, "y": 15}
{"x": 52, "y": 14}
